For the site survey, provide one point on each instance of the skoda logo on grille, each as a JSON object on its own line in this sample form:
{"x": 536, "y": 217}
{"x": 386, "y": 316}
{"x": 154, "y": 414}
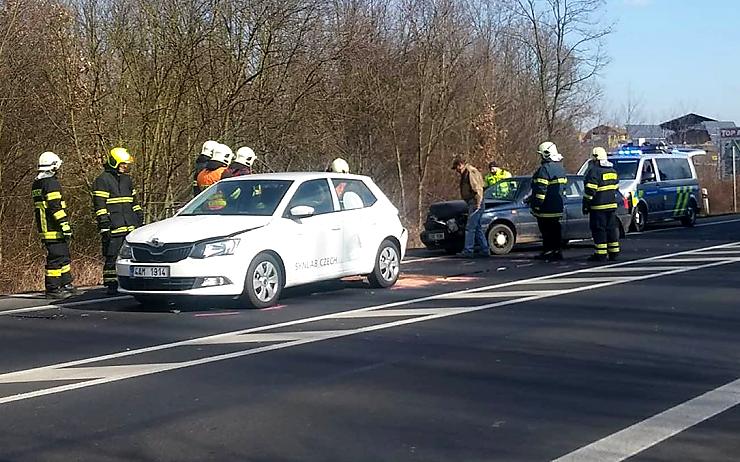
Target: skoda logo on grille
{"x": 156, "y": 242}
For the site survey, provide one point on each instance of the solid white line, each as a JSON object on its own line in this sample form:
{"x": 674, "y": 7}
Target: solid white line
{"x": 693, "y": 259}
{"x": 506, "y": 294}
{"x": 63, "y": 305}
{"x": 398, "y": 313}
{"x": 49, "y": 371}
{"x": 567, "y": 280}
{"x": 426, "y": 259}
{"x": 643, "y": 435}
{"x": 611, "y": 269}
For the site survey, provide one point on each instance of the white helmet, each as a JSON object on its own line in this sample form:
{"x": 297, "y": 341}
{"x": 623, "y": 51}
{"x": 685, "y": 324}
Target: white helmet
{"x": 599, "y": 153}
{"x": 49, "y": 162}
{"x": 245, "y": 156}
{"x": 208, "y": 148}
{"x": 339, "y": 165}
{"x": 549, "y": 151}
{"x": 223, "y": 154}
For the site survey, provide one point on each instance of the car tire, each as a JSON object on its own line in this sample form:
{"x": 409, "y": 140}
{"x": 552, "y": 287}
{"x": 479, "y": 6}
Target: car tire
{"x": 501, "y": 239}
{"x": 264, "y": 281}
{"x": 387, "y": 266}
{"x": 639, "y": 219}
{"x": 689, "y": 220}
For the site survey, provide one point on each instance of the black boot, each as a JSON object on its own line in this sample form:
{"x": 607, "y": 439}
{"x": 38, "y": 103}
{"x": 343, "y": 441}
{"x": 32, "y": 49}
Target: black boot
{"x": 57, "y": 294}
{"x": 71, "y": 289}
{"x": 111, "y": 289}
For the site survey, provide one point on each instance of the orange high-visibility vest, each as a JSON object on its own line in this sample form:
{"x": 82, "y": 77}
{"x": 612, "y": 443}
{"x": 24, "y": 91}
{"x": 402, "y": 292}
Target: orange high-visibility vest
{"x": 209, "y": 177}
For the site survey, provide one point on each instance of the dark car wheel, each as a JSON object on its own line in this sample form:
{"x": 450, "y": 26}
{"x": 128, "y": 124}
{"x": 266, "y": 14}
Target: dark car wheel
{"x": 639, "y": 219}
{"x": 264, "y": 281}
{"x": 690, "y": 218}
{"x": 501, "y": 239}
{"x": 387, "y": 266}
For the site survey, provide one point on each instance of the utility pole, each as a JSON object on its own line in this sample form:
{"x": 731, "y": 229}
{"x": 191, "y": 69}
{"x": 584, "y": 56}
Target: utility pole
{"x": 734, "y": 180}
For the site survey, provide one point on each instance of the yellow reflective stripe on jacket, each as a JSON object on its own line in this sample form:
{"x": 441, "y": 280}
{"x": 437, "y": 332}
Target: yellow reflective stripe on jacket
{"x": 53, "y": 196}
{"x": 58, "y": 215}
{"x": 122, "y": 229}
{"x": 101, "y": 212}
{"x": 547, "y": 215}
{"x": 592, "y": 185}
{"x": 540, "y": 196}
{"x": 541, "y": 180}
{"x": 587, "y": 196}
{"x": 64, "y": 205}
{"x": 136, "y": 208}
{"x": 120, "y": 200}
{"x": 608, "y": 187}
{"x": 604, "y": 207}
{"x": 609, "y": 176}
{"x": 104, "y": 194}
{"x": 558, "y": 181}
{"x": 37, "y": 193}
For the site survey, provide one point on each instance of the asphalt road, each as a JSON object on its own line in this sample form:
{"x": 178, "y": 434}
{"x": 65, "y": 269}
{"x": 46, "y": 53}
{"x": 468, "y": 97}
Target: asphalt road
{"x": 500, "y": 359}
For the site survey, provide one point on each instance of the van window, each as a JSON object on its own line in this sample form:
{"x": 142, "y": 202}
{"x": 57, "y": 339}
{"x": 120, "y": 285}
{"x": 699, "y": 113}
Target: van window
{"x": 626, "y": 168}
{"x": 674, "y": 169}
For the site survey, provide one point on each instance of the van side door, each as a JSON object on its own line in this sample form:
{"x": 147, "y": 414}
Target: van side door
{"x": 649, "y": 191}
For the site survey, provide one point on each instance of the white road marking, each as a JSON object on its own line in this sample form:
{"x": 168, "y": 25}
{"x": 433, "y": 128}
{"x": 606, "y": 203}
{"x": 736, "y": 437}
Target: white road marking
{"x": 31, "y": 309}
{"x": 567, "y": 280}
{"x": 612, "y": 269}
{"x": 105, "y": 374}
{"x": 506, "y": 294}
{"x": 699, "y": 259}
{"x": 396, "y": 313}
{"x": 643, "y": 435}
{"x": 674, "y": 228}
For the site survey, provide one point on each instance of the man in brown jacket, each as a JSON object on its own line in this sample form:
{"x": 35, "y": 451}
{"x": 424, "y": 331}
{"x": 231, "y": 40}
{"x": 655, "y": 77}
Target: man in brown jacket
{"x": 471, "y": 191}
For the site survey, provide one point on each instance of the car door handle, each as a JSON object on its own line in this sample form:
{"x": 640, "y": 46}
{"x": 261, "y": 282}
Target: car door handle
{"x": 338, "y": 228}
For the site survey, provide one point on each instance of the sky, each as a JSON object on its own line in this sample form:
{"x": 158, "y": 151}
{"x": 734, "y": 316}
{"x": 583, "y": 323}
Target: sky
{"x": 673, "y": 57}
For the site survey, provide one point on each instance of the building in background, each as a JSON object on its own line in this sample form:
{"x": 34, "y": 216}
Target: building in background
{"x": 605, "y": 136}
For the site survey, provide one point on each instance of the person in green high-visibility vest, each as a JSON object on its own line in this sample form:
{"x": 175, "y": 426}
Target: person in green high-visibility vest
{"x": 495, "y": 174}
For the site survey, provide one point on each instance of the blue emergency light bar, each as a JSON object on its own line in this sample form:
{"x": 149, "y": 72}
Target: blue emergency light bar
{"x": 630, "y": 152}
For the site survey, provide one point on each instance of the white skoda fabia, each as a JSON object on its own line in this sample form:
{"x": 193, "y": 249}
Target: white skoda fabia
{"x": 254, "y": 235}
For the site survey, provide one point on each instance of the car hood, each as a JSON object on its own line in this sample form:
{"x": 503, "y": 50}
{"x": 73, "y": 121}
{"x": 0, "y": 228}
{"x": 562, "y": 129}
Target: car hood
{"x": 195, "y": 228}
{"x": 448, "y": 209}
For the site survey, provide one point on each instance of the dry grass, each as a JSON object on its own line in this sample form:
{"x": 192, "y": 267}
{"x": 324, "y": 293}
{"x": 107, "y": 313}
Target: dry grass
{"x": 28, "y": 276}
{"x": 720, "y": 191}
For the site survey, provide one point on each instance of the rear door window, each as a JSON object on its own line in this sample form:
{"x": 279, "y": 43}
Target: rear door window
{"x": 673, "y": 169}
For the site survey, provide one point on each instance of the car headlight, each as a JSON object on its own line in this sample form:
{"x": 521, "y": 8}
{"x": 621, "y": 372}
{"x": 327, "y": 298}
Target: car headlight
{"x": 452, "y": 225}
{"x": 214, "y": 248}
{"x": 125, "y": 252}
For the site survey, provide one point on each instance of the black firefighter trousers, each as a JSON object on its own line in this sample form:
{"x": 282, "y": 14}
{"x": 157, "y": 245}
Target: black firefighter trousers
{"x": 605, "y": 231}
{"x": 552, "y": 236}
{"x": 58, "y": 271}
{"x": 111, "y": 246}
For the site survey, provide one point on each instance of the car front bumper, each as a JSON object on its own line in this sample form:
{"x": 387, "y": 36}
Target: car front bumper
{"x": 223, "y": 275}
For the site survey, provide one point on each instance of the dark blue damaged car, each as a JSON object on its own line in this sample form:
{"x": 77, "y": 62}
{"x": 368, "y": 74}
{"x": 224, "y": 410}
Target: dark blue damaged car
{"x": 507, "y": 220}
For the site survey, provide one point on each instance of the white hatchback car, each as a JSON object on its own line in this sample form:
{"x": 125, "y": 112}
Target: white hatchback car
{"x": 254, "y": 235}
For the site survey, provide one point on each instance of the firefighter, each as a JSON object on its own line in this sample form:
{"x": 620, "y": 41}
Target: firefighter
{"x": 215, "y": 167}
{"x": 205, "y": 155}
{"x": 117, "y": 210}
{"x": 546, "y": 202}
{"x": 52, "y": 223}
{"x": 600, "y": 203}
{"x": 242, "y": 163}
{"x": 495, "y": 174}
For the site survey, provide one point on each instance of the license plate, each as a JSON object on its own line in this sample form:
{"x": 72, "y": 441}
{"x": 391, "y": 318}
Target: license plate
{"x": 437, "y": 236}
{"x": 150, "y": 271}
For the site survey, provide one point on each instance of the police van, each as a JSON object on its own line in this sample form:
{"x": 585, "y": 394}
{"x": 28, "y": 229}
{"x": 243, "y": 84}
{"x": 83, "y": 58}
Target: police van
{"x": 659, "y": 182}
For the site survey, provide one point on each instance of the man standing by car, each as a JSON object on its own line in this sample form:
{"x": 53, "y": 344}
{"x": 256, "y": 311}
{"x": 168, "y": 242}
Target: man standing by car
{"x": 471, "y": 191}
{"x": 546, "y": 202}
{"x": 116, "y": 209}
{"x": 599, "y": 201}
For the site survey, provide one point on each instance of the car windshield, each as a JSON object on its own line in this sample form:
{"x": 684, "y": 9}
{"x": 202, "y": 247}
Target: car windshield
{"x": 626, "y": 168}
{"x": 504, "y": 190}
{"x": 242, "y": 197}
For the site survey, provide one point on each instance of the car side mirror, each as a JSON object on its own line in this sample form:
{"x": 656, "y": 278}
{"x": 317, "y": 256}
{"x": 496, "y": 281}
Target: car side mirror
{"x": 648, "y": 177}
{"x": 302, "y": 211}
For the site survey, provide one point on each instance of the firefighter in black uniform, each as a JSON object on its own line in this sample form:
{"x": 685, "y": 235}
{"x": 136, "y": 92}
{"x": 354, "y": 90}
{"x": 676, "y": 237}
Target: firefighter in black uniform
{"x": 116, "y": 209}
{"x": 599, "y": 201}
{"x": 546, "y": 202}
{"x": 52, "y": 223}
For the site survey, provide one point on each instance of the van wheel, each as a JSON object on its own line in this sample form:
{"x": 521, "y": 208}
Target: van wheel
{"x": 689, "y": 219}
{"x": 501, "y": 239}
{"x": 639, "y": 219}
{"x": 264, "y": 281}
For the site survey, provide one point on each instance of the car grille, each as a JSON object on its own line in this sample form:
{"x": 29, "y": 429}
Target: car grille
{"x": 174, "y": 284}
{"x": 168, "y": 253}
{"x": 433, "y": 225}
